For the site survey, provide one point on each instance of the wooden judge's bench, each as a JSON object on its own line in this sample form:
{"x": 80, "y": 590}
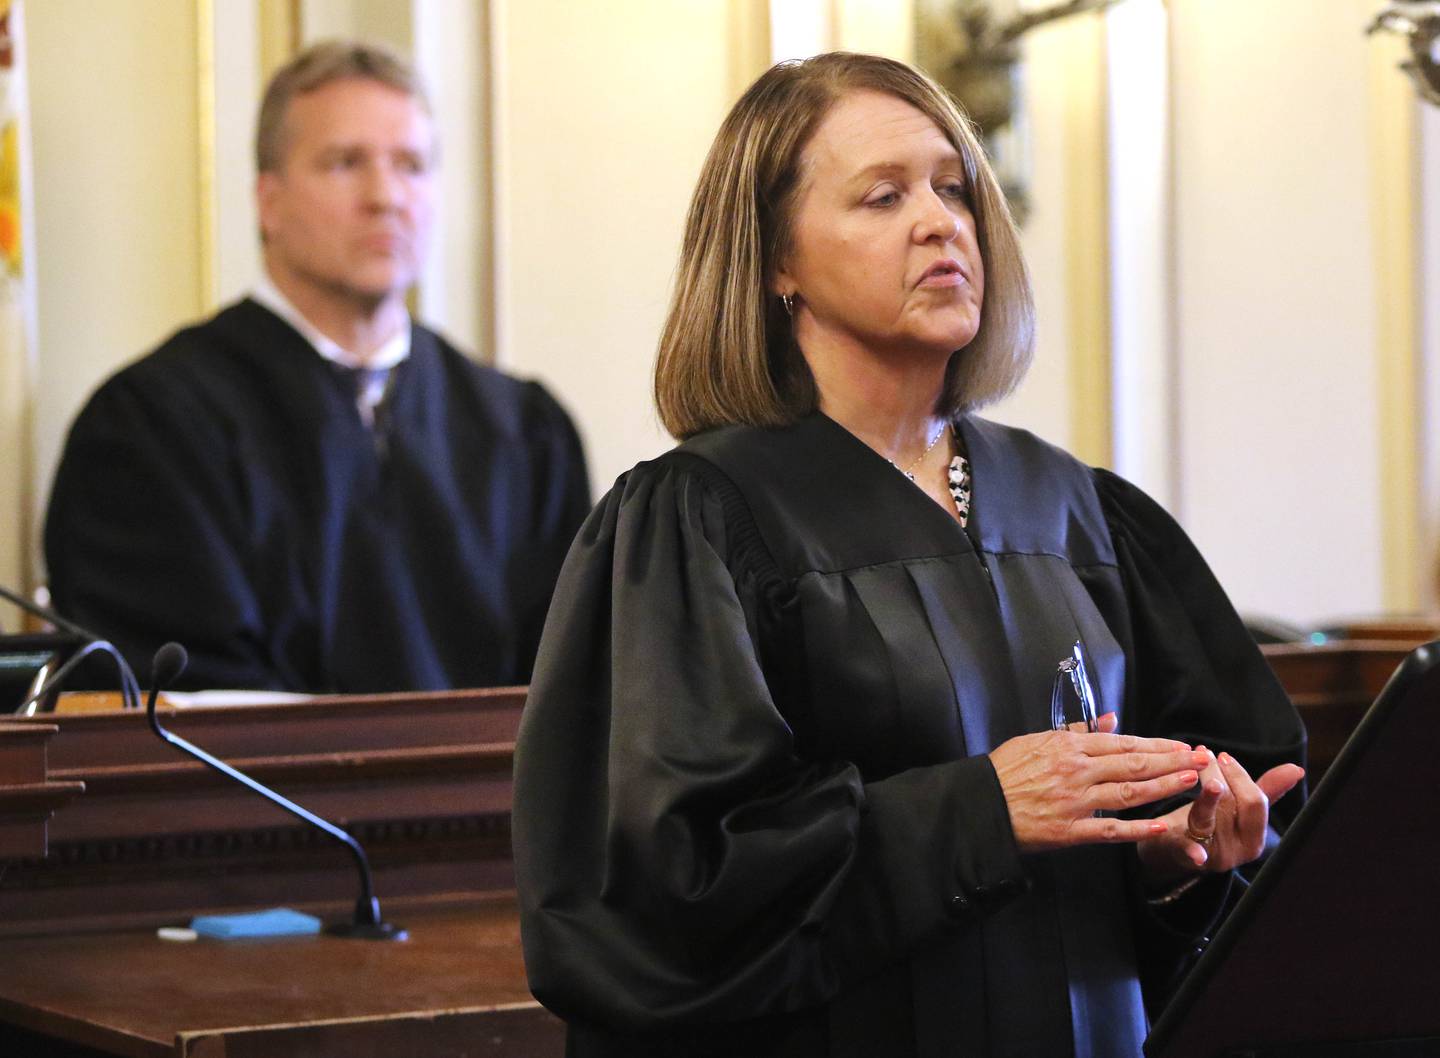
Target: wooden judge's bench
{"x": 143, "y": 837}
{"x": 155, "y": 838}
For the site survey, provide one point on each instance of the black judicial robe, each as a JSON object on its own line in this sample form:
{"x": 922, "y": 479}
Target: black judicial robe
{"x": 753, "y": 811}
{"x": 224, "y": 492}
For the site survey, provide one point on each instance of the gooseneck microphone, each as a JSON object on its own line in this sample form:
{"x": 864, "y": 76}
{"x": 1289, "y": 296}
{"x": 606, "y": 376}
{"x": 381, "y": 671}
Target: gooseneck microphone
{"x": 170, "y": 661}
{"x": 129, "y": 685}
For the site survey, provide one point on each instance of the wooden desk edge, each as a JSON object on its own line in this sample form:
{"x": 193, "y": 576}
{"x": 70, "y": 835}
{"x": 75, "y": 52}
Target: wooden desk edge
{"x": 514, "y": 1030}
{"x": 530, "y": 1006}
{"x": 76, "y": 1031}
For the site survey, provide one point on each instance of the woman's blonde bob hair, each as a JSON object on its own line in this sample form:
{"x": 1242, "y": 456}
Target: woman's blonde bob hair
{"x": 726, "y": 354}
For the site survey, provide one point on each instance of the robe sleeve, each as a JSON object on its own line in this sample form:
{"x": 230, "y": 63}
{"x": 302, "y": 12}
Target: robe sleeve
{"x": 677, "y": 861}
{"x": 145, "y": 531}
{"x": 1195, "y": 674}
{"x": 562, "y": 500}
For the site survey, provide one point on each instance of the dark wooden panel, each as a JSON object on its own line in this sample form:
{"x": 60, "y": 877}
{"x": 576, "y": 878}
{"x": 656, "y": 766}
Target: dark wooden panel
{"x": 29, "y": 794}
{"x": 422, "y": 779}
{"x": 1332, "y": 685}
{"x": 1416, "y": 630}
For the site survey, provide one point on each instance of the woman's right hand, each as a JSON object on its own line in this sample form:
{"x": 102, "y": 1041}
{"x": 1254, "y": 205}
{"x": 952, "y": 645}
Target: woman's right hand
{"x": 1055, "y": 781}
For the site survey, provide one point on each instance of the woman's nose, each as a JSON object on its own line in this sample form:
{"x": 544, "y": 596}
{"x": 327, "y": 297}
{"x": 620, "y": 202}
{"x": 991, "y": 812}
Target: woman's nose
{"x": 937, "y": 220}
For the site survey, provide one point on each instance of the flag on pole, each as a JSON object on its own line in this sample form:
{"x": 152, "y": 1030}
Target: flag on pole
{"x": 16, "y": 365}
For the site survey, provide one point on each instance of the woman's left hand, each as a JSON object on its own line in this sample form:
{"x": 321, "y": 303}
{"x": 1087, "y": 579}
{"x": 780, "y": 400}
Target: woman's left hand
{"x": 1223, "y": 828}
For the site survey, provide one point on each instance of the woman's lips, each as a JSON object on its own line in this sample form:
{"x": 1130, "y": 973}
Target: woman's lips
{"x": 942, "y": 274}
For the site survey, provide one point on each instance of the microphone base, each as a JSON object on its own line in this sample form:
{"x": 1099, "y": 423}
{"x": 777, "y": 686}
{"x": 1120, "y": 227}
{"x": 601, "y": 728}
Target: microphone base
{"x": 367, "y": 931}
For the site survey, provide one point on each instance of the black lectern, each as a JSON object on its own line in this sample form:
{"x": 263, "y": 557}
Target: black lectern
{"x": 1335, "y": 950}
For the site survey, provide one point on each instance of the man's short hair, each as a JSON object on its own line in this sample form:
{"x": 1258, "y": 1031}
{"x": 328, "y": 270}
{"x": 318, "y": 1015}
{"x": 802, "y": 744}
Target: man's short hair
{"x": 314, "y": 68}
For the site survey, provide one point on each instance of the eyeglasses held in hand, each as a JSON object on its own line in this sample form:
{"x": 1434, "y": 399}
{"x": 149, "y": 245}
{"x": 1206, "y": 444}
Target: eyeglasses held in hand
{"x": 1072, "y": 698}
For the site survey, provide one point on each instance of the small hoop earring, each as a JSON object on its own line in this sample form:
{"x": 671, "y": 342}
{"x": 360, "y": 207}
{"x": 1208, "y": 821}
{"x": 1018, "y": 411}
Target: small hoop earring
{"x": 788, "y": 300}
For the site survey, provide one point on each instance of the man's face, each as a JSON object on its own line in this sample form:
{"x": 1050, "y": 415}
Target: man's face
{"x": 348, "y": 212}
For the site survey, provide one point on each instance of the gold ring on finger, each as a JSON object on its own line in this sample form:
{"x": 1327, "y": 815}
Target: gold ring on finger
{"x": 1203, "y": 840}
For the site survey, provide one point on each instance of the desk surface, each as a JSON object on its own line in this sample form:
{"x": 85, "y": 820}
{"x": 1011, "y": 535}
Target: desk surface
{"x": 457, "y": 987}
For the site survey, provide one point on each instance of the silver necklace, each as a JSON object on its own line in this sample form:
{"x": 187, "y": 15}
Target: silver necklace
{"x": 909, "y": 471}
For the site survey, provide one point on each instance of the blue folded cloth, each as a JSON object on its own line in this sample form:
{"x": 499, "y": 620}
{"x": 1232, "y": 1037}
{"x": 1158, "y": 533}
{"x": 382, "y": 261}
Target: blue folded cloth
{"x": 276, "y": 922}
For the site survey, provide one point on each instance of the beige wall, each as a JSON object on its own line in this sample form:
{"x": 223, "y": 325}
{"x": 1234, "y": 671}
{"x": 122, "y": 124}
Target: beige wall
{"x": 15, "y": 408}
{"x": 1268, "y": 425}
{"x": 456, "y": 292}
{"x": 116, "y": 201}
{"x": 1429, "y": 298}
{"x": 604, "y": 112}
{"x": 1276, "y": 313}
{"x": 1043, "y": 401}
{"x": 236, "y": 87}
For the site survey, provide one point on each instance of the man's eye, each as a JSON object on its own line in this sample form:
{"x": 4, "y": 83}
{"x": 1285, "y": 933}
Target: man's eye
{"x": 412, "y": 164}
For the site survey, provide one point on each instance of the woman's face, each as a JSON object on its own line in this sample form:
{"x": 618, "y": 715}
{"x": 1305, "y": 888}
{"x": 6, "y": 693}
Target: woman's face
{"x": 884, "y": 252}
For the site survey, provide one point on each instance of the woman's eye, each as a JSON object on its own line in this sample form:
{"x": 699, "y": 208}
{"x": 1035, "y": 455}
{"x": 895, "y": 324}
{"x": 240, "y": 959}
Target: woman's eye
{"x": 889, "y": 198}
{"x": 957, "y": 192}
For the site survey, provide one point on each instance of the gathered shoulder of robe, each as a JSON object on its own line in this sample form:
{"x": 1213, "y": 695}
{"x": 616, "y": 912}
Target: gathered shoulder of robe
{"x": 753, "y": 811}
{"x": 224, "y": 492}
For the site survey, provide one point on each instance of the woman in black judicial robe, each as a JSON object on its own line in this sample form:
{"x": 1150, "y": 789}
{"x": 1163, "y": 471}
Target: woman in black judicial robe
{"x": 786, "y": 783}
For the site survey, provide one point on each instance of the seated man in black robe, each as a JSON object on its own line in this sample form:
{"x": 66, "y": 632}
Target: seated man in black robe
{"x": 309, "y": 490}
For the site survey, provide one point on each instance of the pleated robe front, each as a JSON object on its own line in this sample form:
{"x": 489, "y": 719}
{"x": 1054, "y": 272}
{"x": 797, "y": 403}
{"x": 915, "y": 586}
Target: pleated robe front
{"x": 754, "y": 812}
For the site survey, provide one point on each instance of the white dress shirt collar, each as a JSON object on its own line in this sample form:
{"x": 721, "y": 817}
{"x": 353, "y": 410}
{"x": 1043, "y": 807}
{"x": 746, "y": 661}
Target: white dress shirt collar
{"x": 394, "y": 350}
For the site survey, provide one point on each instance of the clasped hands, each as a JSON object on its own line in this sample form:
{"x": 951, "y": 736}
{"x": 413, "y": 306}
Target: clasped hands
{"x": 1055, "y": 781}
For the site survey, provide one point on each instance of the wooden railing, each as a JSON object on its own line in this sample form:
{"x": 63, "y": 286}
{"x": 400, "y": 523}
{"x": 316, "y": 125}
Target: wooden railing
{"x": 30, "y": 792}
{"x": 1332, "y": 684}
